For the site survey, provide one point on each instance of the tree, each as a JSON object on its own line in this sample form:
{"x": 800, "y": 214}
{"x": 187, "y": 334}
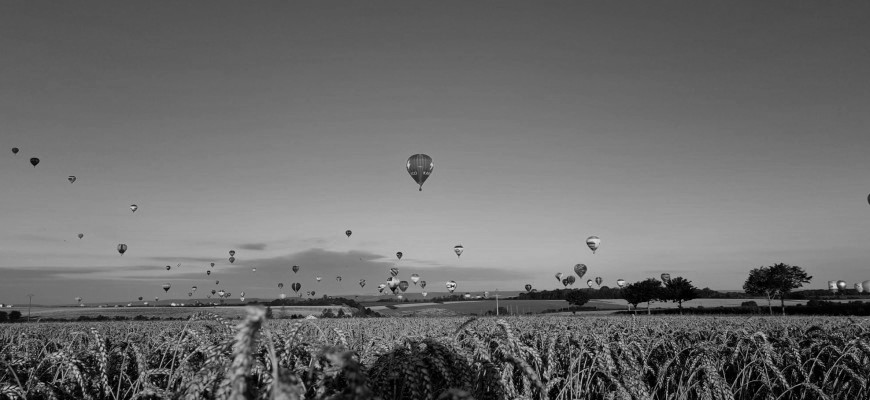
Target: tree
{"x": 776, "y": 280}
{"x": 642, "y": 292}
{"x": 576, "y": 297}
{"x": 679, "y": 290}
{"x": 14, "y": 316}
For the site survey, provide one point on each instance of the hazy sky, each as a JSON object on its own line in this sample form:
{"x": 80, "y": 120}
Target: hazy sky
{"x": 697, "y": 138}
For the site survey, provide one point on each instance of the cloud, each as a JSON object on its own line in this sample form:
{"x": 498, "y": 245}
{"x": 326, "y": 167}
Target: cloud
{"x": 252, "y": 246}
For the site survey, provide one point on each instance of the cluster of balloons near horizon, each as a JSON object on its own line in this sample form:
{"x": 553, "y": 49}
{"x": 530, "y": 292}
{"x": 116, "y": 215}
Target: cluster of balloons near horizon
{"x": 860, "y": 287}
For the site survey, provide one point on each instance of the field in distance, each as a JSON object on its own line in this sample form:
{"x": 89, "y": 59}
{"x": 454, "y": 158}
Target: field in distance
{"x": 229, "y": 312}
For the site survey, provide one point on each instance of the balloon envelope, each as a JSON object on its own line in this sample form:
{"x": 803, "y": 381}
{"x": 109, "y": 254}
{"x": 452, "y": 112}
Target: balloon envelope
{"x": 166, "y": 287}
{"x": 422, "y": 284}
{"x": 81, "y": 235}
{"x": 558, "y": 276}
{"x": 666, "y": 278}
{"x": 620, "y": 282}
{"x": 528, "y": 287}
{"x": 451, "y": 286}
{"x": 598, "y": 281}
{"x": 34, "y": 161}
{"x": 866, "y": 286}
{"x": 362, "y": 283}
{"x": 122, "y": 248}
{"x": 295, "y": 269}
{"x": 415, "y": 278}
{"x": 593, "y": 242}
{"x": 589, "y": 283}
{"x": 394, "y": 271}
{"x": 832, "y": 285}
{"x": 565, "y": 282}
{"x": 580, "y": 270}
{"x": 71, "y": 178}
{"x": 232, "y": 252}
{"x": 403, "y": 286}
{"x": 14, "y": 150}
{"x": 399, "y": 255}
{"x": 841, "y": 285}
{"x": 232, "y": 259}
{"x": 348, "y": 232}
{"x": 858, "y": 288}
{"x": 420, "y": 166}
{"x": 296, "y": 286}
{"x": 458, "y": 249}
{"x": 133, "y": 207}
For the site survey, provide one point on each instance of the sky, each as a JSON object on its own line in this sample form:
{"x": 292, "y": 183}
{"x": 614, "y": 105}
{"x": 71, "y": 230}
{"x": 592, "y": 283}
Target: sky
{"x": 695, "y": 138}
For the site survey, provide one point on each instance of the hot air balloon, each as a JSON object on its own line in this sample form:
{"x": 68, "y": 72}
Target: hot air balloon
{"x": 485, "y": 295}
{"x": 598, "y": 280}
{"x": 467, "y": 295}
{"x": 381, "y": 287}
{"x": 79, "y": 299}
{"x": 528, "y": 287}
{"x": 424, "y": 294}
{"x": 348, "y": 232}
{"x": 403, "y": 286}
{"x": 338, "y": 278}
{"x": 296, "y": 286}
{"x": 451, "y": 286}
{"x": 362, "y": 283}
{"x": 318, "y": 278}
{"x": 589, "y": 283}
{"x": 593, "y": 242}
{"x": 841, "y": 285}
{"x": 232, "y": 253}
{"x": 295, "y": 269}
{"x": 571, "y": 279}
{"x": 313, "y": 293}
{"x": 242, "y": 298}
{"x": 213, "y": 291}
{"x": 221, "y": 293}
{"x": 280, "y": 286}
{"x": 580, "y": 270}
{"x": 866, "y": 286}
{"x": 34, "y": 161}
{"x": 122, "y": 248}
{"x": 422, "y": 284}
{"x": 253, "y": 270}
{"x": 458, "y": 249}
{"x": 620, "y": 282}
{"x": 15, "y": 150}
{"x": 666, "y": 278}
{"x": 558, "y": 276}
{"x": 565, "y": 282}
{"x": 232, "y": 259}
{"x": 193, "y": 288}
{"x": 419, "y": 166}
{"x": 166, "y": 287}
{"x": 415, "y": 278}
{"x": 71, "y": 178}
{"x": 140, "y": 298}
{"x": 133, "y": 207}
{"x": 832, "y": 286}
{"x": 399, "y": 255}
{"x": 242, "y": 294}
{"x": 858, "y": 288}
{"x": 400, "y": 297}
{"x": 189, "y": 294}
{"x": 217, "y": 282}
{"x": 208, "y": 272}
{"x": 156, "y": 299}
{"x": 168, "y": 268}
{"x": 283, "y": 296}
{"x": 81, "y": 235}
{"x": 212, "y": 265}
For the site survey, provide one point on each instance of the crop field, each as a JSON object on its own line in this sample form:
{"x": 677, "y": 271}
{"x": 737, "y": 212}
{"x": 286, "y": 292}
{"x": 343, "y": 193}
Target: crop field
{"x": 228, "y": 312}
{"x": 482, "y": 307}
{"x": 530, "y": 357}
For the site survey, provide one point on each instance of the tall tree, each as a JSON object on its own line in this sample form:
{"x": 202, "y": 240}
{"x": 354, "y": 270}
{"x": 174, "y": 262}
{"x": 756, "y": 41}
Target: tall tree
{"x": 576, "y": 297}
{"x": 642, "y": 292}
{"x": 776, "y": 280}
{"x": 679, "y": 290}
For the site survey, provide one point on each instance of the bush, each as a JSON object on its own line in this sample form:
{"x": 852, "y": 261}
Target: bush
{"x": 14, "y": 316}
{"x": 749, "y": 304}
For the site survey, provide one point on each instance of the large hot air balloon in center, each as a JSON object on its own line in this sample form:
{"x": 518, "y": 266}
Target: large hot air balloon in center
{"x": 580, "y": 270}
{"x": 122, "y": 248}
{"x": 458, "y": 249}
{"x": 593, "y": 242}
{"x": 419, "y": 166}
{"x": 451, "y": 286}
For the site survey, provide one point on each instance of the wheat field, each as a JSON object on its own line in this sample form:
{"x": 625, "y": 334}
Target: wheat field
{"x": 527, "y": 357}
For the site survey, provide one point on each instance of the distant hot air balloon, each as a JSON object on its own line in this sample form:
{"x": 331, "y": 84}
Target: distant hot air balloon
{"x": 295, "y": 269}
{"x": 832, "y": 286}
{"x": 15, "y": 150}
{"x": 208, "y": 272}
{"x": 133, "y": 207}
{"x": 232, "y": 259}
{"x": 253, "y": 270}
{"x": 593, "y": 242}
{"x": 392, "y": 283}
{"x": 419, "y": 166}
{"x": 362, "y": 283}
{"x": 598, "y": 280}
{"x": 166, "y": 287}
{"x": 381, "y": 287}
{"x": 242, "y": 294}
{"x": 168, "y": 268}
{"x": 558, "y": 276}
{"x": 217, "y": 282}
{"x": 79, "y": 299}
{"x": 565, "y": 282}
{"x": 156, "y": 299}
{"x": 318, "y": 278}
{"x": 213, "y": 291}
{"x": 666, "y": 277}
{"x": 841, "y": 285}
{"x": 620, "y": 282}
{"x": 451, "y": 286}
{"x": 193, "y": 288}
{"x": 81, "y": 235}
{"x": 189, "y": 294}
{"x": 415, "y": 278}
{"x": 212, "y": 264}
{"x": 34, "y": 161}
{"x": 403, "y": 286}
{"x": 458, "y": 249}
{"x": 467, "y": 295}
{"x": 122, "y": 248}
{"x": 338, "y": 278}
{"x": 424, "y": 294}
{"x": 571, "y": 279}
{"x": 485, "y": 295}
{"x": 589, "y": 283}
{"x": 232, "y": 253}
{"x": 422, "y": 284}
{"x": 280, "y": 285}
{"x": 394, "y": 271}
{"x": 296, "y": 286}
{"x": 313, "y": 293}
{"x": 528, "y": 287}
{"x": 140, "y": 298}
{"x": 580, "y": 270}
{"x": 242, "y": 298}
{"x": 71, "y": 178}
{"x": 348, "y": 232}
{"x": 866, "y": 286}
{"x": 399, "y": 255}
{"x": 221, "y": 293}
{"x": 858, "y": 288}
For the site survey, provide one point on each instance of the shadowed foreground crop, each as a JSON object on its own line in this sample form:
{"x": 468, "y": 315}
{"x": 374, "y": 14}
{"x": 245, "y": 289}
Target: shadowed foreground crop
{"x": 439, "y": 358}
